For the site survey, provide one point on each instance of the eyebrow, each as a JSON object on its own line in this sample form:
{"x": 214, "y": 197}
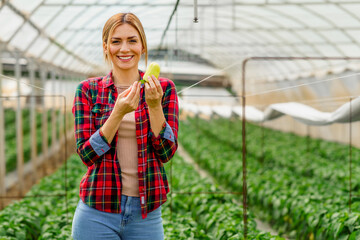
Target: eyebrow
{"x": 128, "y": 37}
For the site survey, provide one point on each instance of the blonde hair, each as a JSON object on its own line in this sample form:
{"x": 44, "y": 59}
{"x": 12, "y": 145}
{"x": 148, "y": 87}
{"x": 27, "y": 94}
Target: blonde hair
{"x": 120, "y": 19}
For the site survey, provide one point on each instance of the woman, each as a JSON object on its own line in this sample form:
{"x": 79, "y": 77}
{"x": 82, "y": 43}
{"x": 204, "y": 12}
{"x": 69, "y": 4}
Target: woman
{"x": 124, "y": 132}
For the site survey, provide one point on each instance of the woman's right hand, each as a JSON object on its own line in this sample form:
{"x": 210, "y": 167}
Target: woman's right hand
{"x": 128, "y": 100}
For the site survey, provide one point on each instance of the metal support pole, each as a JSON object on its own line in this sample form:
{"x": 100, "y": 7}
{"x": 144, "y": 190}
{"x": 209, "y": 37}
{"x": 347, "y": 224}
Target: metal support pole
{"x": 61, "y": 116}
{"x": 2, "y": 140}
{"x": 53, "y": 116}
{"x": 33, "y": 123}
{"x": 19, "y": 128}
{"x": 43, "y": 75}
{"x": 307, "y": 139}
{"x": 262, "y": 158}
{"x": 350, "y": 156}
{"x": 233, "y": 15}
{"x": 215, "y": 20}
{"x": 243, "y": 97}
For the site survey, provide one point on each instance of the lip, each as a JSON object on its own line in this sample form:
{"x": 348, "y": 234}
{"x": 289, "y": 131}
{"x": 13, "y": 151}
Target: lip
{"x": 129, "y": 58}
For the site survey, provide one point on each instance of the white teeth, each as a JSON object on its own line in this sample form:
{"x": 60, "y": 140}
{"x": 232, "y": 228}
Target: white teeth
{"x": 125, "y": 58}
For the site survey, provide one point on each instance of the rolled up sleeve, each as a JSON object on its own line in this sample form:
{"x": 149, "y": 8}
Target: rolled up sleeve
{"x": 165, "y": 144}
{"x": 90, "y": 143}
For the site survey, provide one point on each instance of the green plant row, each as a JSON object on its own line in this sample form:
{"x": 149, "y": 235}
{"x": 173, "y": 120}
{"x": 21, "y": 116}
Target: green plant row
{"x": 10, "y": 135}
{"x": 304, "y": 193}
{"x": 45, "y": 217}
{"x": 207, "y": 216}
{"x": 192, "y": 217}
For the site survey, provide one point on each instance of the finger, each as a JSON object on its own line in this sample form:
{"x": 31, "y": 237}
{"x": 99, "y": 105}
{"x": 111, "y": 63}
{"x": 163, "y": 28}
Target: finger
{"x": 126, "y": 92}
{"x": 147, "y": 85}
{"x": 152, "y": 80}
{"x": 158, "y": 86}
{"x": 136, "y": 95}
{"x": 133, "y": 89}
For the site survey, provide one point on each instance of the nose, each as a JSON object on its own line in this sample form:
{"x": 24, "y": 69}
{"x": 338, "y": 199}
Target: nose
{"x": 124, "y": 47}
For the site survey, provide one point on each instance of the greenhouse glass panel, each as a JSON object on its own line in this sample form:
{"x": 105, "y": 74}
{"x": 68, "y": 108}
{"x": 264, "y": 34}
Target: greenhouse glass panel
{"x": 353, "y": 9}
{"x": 350, "y": 50}
{"x": 288, "y": 36}
{"x": 84, "y": 1}
{"x": 25, "y": 5}
{"x": 110, "y": 1}
{"x": 9, "y": 22}
{"x": 60, "y": 58}
{"x": 81, "y": 22}
{"x": 335, "y": 36}
{"x": 44, "y": 14}
{"x": 24, "y": 37}
{"x": 328, "y": 50}
{"x": 39, "y": 46}
{"x": 65, "y": 36}
{"x": 355, "y": 34}
{"x": 58, "y": 1}
{"x": 306, "y": 50}
{"x": 311, "y": 36}
{"x": 334, "y": 15}
{"x": 62, "y": 20}
{"x": 302, "y": 15}
{"x": 50, "y": 52}
{"x": 67, "y": 61}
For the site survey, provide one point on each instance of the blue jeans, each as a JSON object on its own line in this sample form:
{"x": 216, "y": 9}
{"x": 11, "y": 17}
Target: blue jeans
{"x": 89, "y": 223}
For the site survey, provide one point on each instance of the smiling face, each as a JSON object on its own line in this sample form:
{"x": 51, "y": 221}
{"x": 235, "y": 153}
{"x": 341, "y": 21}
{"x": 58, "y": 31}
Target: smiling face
{"x": 124, "y": 47}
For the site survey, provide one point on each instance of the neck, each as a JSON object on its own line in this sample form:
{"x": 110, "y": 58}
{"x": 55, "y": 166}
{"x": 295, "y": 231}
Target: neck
{"x": 125, "y": 77}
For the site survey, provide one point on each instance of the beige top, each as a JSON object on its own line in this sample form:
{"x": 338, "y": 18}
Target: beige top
{"x": 127, "y": 153}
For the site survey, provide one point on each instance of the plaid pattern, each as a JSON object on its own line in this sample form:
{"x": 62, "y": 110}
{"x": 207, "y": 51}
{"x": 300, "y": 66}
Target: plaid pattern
{"x": 100, "y": 187}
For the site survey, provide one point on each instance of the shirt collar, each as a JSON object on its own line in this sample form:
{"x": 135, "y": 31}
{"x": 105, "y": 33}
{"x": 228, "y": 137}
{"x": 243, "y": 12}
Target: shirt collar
{"x": 108, "y": 80}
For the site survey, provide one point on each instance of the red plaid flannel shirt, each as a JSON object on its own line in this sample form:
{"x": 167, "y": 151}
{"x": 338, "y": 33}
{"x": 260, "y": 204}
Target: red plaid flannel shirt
{"x": 100, "y": 187}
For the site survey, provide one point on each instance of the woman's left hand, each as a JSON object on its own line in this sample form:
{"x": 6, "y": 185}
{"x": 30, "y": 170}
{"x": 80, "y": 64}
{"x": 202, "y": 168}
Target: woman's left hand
{"x": 153, "y": 92}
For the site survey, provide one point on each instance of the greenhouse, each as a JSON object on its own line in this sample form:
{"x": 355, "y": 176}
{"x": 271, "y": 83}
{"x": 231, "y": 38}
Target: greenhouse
{"x": 232, "y": 119}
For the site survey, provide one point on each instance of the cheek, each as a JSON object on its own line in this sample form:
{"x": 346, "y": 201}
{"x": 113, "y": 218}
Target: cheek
{"x": 139, "y": 49}
{"x": 113, "y": 50}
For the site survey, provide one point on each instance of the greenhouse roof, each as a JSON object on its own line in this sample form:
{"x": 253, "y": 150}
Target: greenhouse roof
{"x": 67, "y": 33}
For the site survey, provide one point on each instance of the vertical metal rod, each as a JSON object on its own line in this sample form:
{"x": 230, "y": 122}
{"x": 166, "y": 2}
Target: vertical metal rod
{"x": 243, "y": 97}
{"x": 65, "y": 162}
{"x": 53, "y": 117}
{"x": 196, "y": 18}
{"x": 202, "y": 32}
{"x": 262, "y": 143}
{"x": 2, "y": 139}
{"x": 171, "y": 192}
{"x": 307, "y": 139}
{"x": 233, "y": 14}
{"x": 19, "y": 128}
{"x": 215, "y": 20}
{"x": 33, "y": 123}
{"x": 197, "y": 135}
{"x": 350, "y": 156}
{"x": 59, "y": 118}
{"x": 176, "y": 35}
{"x": 43, "y": 74}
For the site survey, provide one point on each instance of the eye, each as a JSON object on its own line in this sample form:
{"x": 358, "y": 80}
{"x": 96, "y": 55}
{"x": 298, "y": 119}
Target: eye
{"x": 115, "y": 42}
{"x": 133, "y": 41}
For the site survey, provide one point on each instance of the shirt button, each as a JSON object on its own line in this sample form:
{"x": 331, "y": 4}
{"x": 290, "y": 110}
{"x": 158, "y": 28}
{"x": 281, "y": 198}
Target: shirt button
{"x": 140, "y": 154}
{"x": 137, "y": 119}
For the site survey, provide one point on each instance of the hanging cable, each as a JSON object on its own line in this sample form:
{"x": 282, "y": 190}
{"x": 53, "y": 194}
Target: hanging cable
{"x": 16, "y": 80}
{"x": 196, "y": 18}
{"x": 168, "y": 24}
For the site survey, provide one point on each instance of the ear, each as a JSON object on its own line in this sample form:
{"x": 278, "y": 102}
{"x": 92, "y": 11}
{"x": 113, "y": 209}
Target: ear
{"x": 105, "y": 47}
